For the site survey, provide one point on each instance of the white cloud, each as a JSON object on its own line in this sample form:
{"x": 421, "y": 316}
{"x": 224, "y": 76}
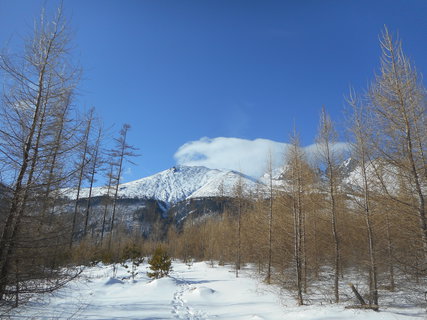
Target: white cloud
{"x": 247, "y": 156}
{"x": 339, "y": 149}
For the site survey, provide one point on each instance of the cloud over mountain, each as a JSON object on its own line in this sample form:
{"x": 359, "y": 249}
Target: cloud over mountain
{"x": 247, "y": 156}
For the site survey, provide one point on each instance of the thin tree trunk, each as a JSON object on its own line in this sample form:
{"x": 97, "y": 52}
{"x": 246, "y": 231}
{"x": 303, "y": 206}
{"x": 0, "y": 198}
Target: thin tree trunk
{"x": 337, "y": 265}
{"x": 270, "y": 224}
{"x": 373, "y": 286}
{"x": 390, "y": 253}
{"x": 239, "y": 227}
{"x": 52, "y": 164}
{"x": 106, "y": 203}
{"x": 326, "y": 137}
{"x": 92, "y": 178}
{"x": 116, "y": 192}
{"x": 80, "y": 179}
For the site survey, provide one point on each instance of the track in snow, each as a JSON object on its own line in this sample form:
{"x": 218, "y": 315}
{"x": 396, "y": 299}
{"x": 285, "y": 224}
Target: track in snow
{"x": 181, "y": 309}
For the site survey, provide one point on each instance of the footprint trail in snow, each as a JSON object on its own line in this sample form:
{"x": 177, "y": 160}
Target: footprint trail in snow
{"x": 181, "y": 309}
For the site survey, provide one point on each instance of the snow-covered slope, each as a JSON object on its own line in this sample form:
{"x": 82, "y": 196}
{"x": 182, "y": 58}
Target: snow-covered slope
{"x": 204, "y": 291}
{"x": 379, "y": 174}
{"x": 276, "y": 178}
{"x": 187, "y": 182}
{"x": 224, "y": 184}
{"x": 177, "y": 184}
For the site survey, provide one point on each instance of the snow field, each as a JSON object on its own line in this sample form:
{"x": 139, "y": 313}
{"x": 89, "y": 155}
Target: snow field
{"x": 191, "y": 292}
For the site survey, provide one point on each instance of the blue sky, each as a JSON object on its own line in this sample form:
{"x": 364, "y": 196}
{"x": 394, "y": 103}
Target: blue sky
{"x": 184, "y": 73}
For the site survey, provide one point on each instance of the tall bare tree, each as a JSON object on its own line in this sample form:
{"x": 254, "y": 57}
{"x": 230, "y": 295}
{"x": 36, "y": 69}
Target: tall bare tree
{"x": 107, "y": 198}
{"x": 360, "y": 151}
{"x": 329, "y": 160}
{"x": 299, "y": 178}
{"x": 294, "y": 178}
{"x": 60, "y": 144}
{"x": 40, "y": 84}
{"x": 94, "y": 167}
{"x": 82, "y": 166}
{"x": 398, "y": 104}
{"x": 270, "y": 217}
{"x": 239, "y": 202}
{"x": 122, "y": 152}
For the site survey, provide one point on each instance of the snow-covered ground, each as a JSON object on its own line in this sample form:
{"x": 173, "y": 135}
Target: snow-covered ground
{"x": 198, "y": 291}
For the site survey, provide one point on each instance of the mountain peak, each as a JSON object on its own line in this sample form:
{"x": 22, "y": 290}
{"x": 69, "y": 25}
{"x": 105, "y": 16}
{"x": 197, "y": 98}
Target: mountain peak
{"x": 179, "y": 183}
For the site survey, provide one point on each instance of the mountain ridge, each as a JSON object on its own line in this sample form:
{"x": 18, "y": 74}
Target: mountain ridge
{"x": 177, "y": 184}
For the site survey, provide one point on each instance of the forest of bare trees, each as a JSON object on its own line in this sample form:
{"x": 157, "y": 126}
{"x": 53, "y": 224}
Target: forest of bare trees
{"x": 48, "y": 144}
{"x": 319, "y": 221}
{"x": 316, "y": 225}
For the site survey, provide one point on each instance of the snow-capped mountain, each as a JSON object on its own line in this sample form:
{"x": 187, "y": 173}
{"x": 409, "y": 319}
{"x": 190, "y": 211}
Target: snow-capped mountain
{"x": 173, "y": 195}
{"x": 177, "y": 184}
{"x": 181, "y": 183}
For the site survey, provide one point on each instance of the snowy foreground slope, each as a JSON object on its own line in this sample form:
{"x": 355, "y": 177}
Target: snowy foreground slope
{"x": 196, "y": 292}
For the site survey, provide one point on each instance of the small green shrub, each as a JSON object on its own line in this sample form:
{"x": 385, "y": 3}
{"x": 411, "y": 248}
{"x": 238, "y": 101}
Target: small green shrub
{"x": 160, "y": 264}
